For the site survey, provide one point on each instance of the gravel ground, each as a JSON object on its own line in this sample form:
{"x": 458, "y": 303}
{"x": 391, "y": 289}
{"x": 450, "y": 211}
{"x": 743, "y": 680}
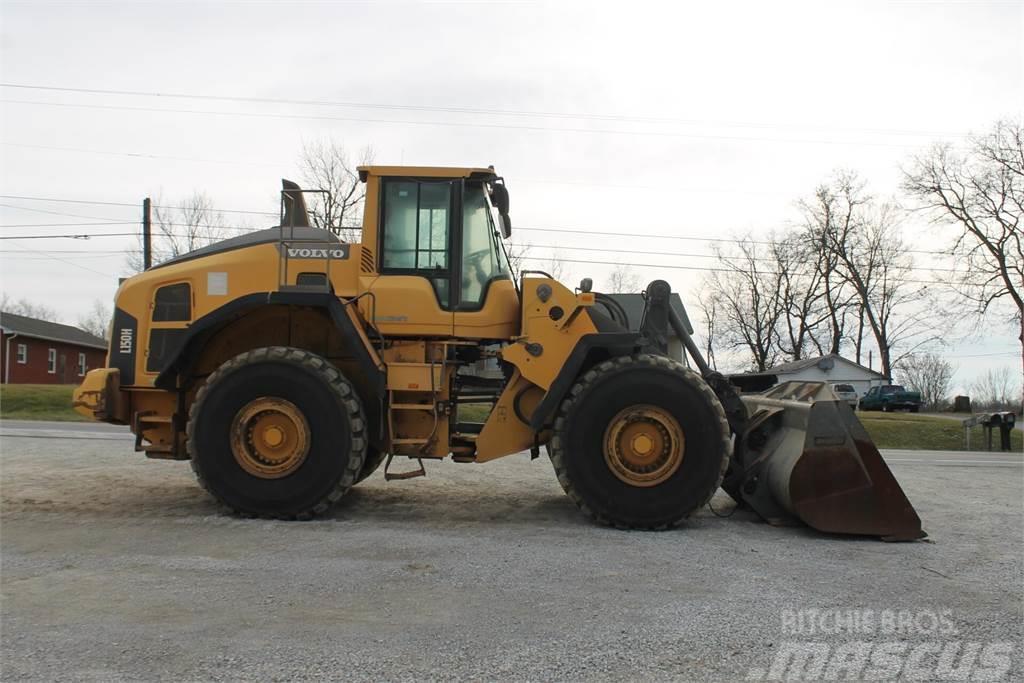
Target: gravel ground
{"x": 119, "y": 568}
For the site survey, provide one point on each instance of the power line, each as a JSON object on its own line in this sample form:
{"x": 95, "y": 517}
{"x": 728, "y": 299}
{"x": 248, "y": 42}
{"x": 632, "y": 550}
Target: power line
{"x": 690, "y": 238}
{"x": 604, "y": 233}
{"x": 139, "y": 155}
{"x": 472, "y": 110}
{"x": 67, "y": 201}
{"x": 18, "y": 207}
{"x": 66, "y": 225}
{"x": 73, "y": 236}
{"x": 685, "y": 254}
{"x": 135, "y": 205}
{"x": 62, "y": 260}
{"x": 461, "y": 124}
{"x": 692, "y": 268}
{"x": 275, "y": 214}
{"x": 91, "y": 252}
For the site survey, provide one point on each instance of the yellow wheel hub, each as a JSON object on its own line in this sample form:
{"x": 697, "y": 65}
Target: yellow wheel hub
{"x": 644, "y": 445}
{"x": 269, "y": 437}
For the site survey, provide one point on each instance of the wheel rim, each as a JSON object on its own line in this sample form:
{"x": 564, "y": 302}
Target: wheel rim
{"x": 270, "y": 437}
{"x": 644, "y": 445}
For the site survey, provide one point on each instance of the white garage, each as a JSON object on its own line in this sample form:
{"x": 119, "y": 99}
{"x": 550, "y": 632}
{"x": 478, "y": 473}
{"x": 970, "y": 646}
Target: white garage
{"x": 832, "y": 368}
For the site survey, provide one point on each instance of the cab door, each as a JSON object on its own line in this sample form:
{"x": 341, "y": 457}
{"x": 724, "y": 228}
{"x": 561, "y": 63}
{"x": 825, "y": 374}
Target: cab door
{"x": 488, "y": 303}
{"x": 412, "y": 296}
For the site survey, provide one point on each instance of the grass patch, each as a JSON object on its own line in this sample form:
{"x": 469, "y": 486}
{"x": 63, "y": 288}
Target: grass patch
{"x": 38, "y": 402}
{"x": 474, "y": 412}
{"x": 923, "y": 432}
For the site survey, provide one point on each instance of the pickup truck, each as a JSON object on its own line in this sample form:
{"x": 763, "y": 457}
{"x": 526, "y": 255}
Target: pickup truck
{"x": 892, "y": 397}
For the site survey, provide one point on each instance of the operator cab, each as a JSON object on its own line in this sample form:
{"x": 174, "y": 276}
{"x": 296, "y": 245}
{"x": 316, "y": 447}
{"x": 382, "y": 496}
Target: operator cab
{"x": 438, "y": 232}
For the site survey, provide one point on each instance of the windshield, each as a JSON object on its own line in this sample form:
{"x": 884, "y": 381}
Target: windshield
{"x": 496, "y": 237}
{"x": 483, "y": 259}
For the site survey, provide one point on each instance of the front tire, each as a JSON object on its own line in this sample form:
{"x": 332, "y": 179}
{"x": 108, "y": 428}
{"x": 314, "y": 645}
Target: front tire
{"x": 641, "y": 442}
{"x": 277, "y": 432}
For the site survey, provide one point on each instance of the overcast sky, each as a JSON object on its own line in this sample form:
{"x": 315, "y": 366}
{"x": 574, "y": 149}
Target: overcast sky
{"x": 703, "y": 120}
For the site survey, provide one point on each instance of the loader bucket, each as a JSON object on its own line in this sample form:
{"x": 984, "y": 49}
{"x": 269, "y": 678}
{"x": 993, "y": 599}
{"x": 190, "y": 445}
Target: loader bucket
{"x": 805, "y": 456}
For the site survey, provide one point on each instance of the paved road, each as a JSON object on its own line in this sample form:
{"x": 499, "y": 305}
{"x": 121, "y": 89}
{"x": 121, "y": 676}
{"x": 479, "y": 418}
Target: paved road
{"x": 120, "y": 568}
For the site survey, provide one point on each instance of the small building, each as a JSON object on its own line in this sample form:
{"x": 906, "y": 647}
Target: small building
{"x": 41, "y": 352}
{"x": 832, "y": 368}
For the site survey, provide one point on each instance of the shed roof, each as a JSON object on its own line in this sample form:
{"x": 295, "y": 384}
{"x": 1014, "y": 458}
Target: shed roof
{"x": 23, "y": 326}
{"x": 805, "y": 363}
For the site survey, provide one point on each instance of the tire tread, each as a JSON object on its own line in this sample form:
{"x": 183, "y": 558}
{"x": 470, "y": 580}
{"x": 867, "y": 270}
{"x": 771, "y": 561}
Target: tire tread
{"x": 335, "y": 382}
{"x": 580, "y": 389}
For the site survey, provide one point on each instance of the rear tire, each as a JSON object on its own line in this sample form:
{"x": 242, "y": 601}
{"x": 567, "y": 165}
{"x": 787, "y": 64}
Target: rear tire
{"x": 588, "y": 458}
{"x": 277, "y": 432}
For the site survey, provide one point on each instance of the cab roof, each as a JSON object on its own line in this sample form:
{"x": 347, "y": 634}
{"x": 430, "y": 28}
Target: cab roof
{"x": 427, "y": 172}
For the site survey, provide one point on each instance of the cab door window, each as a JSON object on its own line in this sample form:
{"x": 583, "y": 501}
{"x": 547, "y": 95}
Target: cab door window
{"x": 482, "y": 257}
{"x": 416, "y": 229}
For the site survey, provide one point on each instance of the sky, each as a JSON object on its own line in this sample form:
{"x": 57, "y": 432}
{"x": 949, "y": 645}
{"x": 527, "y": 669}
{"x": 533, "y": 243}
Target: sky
{"x": 696, "y": 121}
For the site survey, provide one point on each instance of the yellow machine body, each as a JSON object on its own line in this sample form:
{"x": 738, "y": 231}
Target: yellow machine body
{"x": 257, "y": 295}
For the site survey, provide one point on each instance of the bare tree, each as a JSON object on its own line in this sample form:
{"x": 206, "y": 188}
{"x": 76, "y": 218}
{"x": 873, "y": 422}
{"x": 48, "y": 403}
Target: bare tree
{"x": 868, "y": 259}
{"x": 556, "y": 266}
{"x": 623, "y": 280}
{"x": 328, "y": 165}
{"x": 27, "y": 308}
{"x": 994, "y": 390}
{"x": 97, "y": 321}
{"x": 929, "y": 374}
{"x": 833, "y": 205}
{"x": 180, "y": 228}
{"x": 518, "y": 253}
{"x": 981, "y": 192}
{"x": 803, "y": 296}
{"x": 709, "y": 306}
{"x": 748, "y": 306}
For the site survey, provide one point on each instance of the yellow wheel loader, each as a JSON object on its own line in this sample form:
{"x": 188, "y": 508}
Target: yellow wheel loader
{"x": 288, "y": 365}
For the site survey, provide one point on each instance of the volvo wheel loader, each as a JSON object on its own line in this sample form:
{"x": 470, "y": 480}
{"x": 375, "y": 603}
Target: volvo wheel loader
{"x": 288, "y": 365}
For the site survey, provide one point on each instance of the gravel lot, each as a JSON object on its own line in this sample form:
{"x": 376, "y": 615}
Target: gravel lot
{"x": 119, "y": 568}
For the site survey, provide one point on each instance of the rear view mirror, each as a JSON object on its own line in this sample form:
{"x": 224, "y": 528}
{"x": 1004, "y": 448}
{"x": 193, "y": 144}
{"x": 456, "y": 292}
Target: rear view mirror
{"x": 499, "y": 198}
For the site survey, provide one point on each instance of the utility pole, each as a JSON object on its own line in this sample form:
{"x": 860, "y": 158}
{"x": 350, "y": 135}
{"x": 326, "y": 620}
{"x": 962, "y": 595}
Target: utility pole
{"x": 147, "y": 236}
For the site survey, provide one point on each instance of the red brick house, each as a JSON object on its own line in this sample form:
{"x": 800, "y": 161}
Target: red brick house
{"x": 40, "y": 352}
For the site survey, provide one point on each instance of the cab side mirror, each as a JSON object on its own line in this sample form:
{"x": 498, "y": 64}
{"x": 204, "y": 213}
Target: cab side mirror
{"x": 499, "y": 198}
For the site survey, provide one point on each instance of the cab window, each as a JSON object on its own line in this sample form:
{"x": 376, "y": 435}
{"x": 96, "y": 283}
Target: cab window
{"x": 482, "y": 257}
{"x": 416, "y": 222}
